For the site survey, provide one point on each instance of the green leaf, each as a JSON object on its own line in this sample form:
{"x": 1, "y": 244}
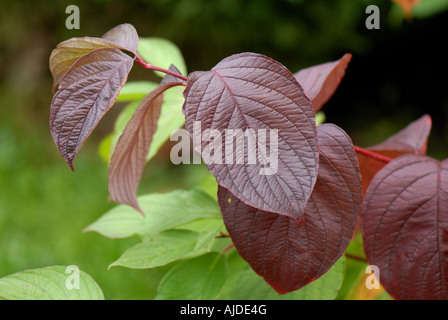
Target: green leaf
{"x": 50, "y": 283}
{"x": 320, "y": 118}
{"x": 251, "y": 286}
{"x": 104, "y": 149}
{"x": 353, "y": 267}
{"x": 162, "y": 53}
{"x": 206, "y": 237}
{"x": 200, "y": 278}
{"x": 159, "y": 250}
{"x": 236, "y": 266}
{"x": 204, "y": 225}
{"x": 162, "y": 212}
{"x": 136, "y": 90}
{"x": 209, "y": 185}
{"x": 206, "y": 228}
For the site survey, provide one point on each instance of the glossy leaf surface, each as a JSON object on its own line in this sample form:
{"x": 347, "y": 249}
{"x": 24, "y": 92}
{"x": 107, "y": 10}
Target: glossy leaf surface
{"x": 289, "y": 254}
{"x": 405, "y": 227}
{"x": 320, "y": 82}
{"x": 250, "y": 93}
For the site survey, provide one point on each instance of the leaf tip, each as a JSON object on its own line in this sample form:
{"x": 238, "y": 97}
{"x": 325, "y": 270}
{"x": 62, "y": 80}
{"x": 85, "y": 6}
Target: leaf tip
{"x": 140, "y": 211}
{"x": 345, "y": 61}
{"x": 280, "y": 291}
{"x": 347, "y": 57}
{"x": 70, "y": 164}
{"x": 134, "y": 204}
{"x": 90, "y": 228}
{"x": 299, "y": 219}
{"x": 428, "y": 119}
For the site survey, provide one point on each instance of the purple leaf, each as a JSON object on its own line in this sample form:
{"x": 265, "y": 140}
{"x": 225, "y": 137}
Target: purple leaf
{"x": 412, "y": 139}
{"x": 405, "y": 227}
{"x": 254, "y": 95}
{"x": 67, "y": 52}
{"x": 124, "y": 35}
{"x": 87, "y": 91}
{"x": 289, "y": 254}
{"x": 129, "y": 158}
{"x": 320, "y": 82}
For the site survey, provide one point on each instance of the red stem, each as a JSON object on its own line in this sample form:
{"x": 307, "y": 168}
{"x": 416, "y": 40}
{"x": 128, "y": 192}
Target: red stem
{"x": 230, "y": 246}
{"x": 222, "y": 235}
{"x": 155, "y": 68}
{"x": 352, "y": 256}
{"x": 372, "y": 154}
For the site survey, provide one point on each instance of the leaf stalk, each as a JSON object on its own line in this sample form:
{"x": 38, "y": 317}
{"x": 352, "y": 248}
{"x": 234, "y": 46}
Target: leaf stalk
{"x": 372, "y": 154}
{"x": 155, "y": 68}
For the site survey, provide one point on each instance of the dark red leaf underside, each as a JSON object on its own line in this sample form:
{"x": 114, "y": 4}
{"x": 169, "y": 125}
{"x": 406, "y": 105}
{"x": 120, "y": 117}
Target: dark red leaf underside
{"x": 320, "y": 82}
{"x": 411, "y": 140}
{"x": 289, "y": 254}
{"x": 129, "y": 157}
{"x": 87, "y": 91}
{"x": 249, "y": 91}
{"x": 405, "y": 227}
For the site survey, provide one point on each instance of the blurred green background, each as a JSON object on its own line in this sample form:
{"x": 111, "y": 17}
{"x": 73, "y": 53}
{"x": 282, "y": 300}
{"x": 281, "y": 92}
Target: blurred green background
{"x": 397, "y": 74}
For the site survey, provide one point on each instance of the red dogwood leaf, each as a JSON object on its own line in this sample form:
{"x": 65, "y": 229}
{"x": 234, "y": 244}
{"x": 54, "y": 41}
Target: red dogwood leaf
{"x": 405, "y": 227}
{"x": 412, "y": 139}
{"x": 259, "y": 100}
{"x": 289, "y": 254}
{"x": 87, "y": 91}
{"x": 129, "y": 157}
{"x": 67, "y": 52}
{"x": 320, "y": 82}
{"x": 122, "y": 37}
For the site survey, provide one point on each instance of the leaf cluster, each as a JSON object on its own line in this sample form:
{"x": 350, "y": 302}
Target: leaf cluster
{"x": 290, "y": 225}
